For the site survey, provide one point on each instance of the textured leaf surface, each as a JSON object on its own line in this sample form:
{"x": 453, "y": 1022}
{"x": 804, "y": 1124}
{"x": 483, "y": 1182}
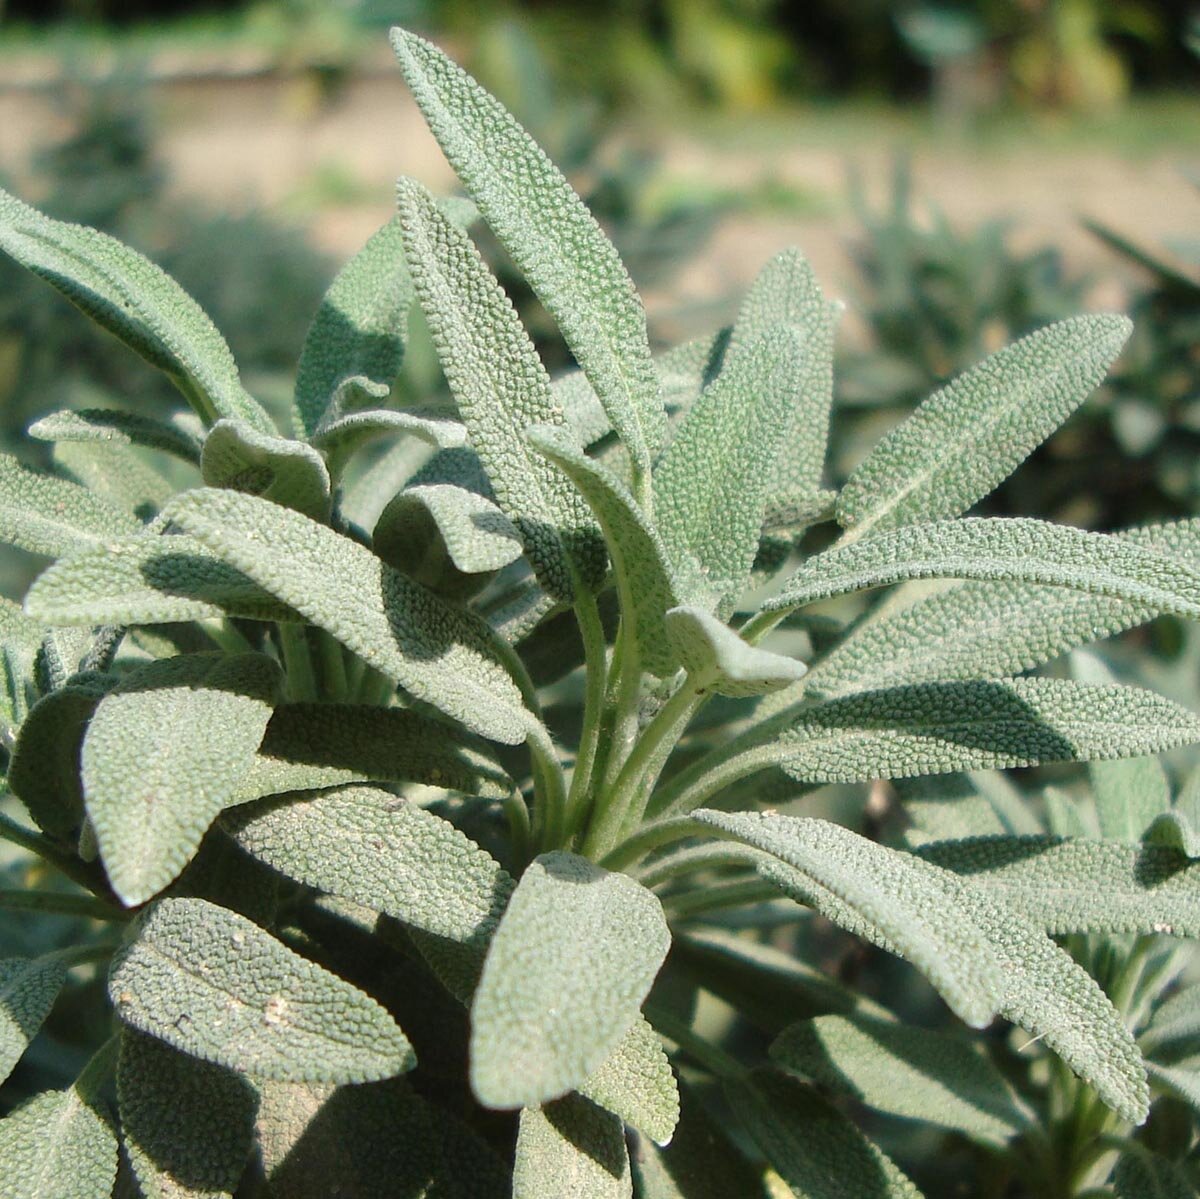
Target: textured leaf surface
{"x": 644, "y": 577}
{"x": 148, "y": 580}
{"x": 717, "y": 658}
{"x": 312, "y": 745}
{"x": 815, "y": 1149}
{"x": 439, "y": 654}
{"x": 1129, "y": 796}
{"x": 999, "y": 548}
{"x": 905, "y": 1071}
{"x": 347, "y": 432}
{"x": 936, "y": 728}
{"x": 388, "y": 854}
{"x": 187, "y": 1126}
{"x": 1176, "y": 1024}
{"x": 217, "y": 987}
{"x": 571, "y": 1147}
{"x": 711, "y": 485}
{"x": 565, "y": 975}
{"x": 1081, "y": 886}
{"x": 501, "y": 390}
{"x": 115, "y": 474}
{"x": 551, "y": 236}
{"x": 52, "y": 516}
{"x": 969, "y": 436}
{"x": 163, "y": 755}
{"x": 28, "y": 988}
{"x": 637, "y": 1084}
{"x": 1181, "y": 1081}
{"x": 132, "y": 298}
{"x": 1142, "y": 1175}
{"x": 286, "y": 472}
{"x": 115, "y": 427}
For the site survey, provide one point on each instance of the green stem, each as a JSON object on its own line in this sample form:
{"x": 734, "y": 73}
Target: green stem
{"x": 356, "y": 673}
{"x": 333, "y": 667}
{"x": 14, "y": 899}
{"x": 704, "y": 1053}
{"x": 66, "y": 863}
{"x": 224, "y": 635}
{"x": 693, "y": 787}
{"x": 740, "y": 893}
{"x": 520, "y": 674}
{"x": 649, "y": 838}
{"x": 297, "y": 661}
{"x": 690, "y": 861}
{"x": 760, "y": 624}
{"x": 81, "y": 955}
{"x": 594, "y": 661}
{"x": 519, "y": 828}
{"x": 550, "y": 792}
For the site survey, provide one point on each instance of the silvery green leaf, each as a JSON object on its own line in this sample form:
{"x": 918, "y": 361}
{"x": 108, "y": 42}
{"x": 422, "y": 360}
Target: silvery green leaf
{"x": 571, "y": 1147}
{"x": 164, "y": 753}
{"x": 793, "y": 511}
{"x": 636, "y": 1083}
{"x": 315, "y": 745}
{"x": 1175, "y": 831}
{"x": 501, "y": 390}
{"x": 903, "y": 1070}
{"x": 450, "y": 539}
{"x": 938, "y": 728}
{"x": 969, "y": 436}
{"x": 359, "y": 330}
{"x": 59, "y": 1145}
{"x": 554, "y": 240}
{"x": 148, "y": 580}
{"x": 711, "y": 485}
{"x": 1078, "y": 885}
{"x": 717, "y": 659}
{"x": 28, "y": 988}
{"x": 286, "y": 472}
{"x": 953, "y": 806}
{"x": 1144, "y": 1175}
{"x": 1183, "y": 1082}
{"x": 216, "y": 986}
{"x": 564, "y": 978}
{"x": 999, "y": 548}
{"x": 1175, "y": 1024}
{"x": 115, "y": 473}
{"x": 52, "y": 516}
{"x": 113, "y": 426}
{"x": 363, "y": 844}
{"x": 132, "y": 298}
{"x": 348, "y": 432}
{"x": 786, "y": 292}
{"x": 1129, "y": 796}
{"x": 645, "y": 579}
{"x": 441, "y": 655}
{"x": 187, "y": 1125}
{"x": 814, "y": 1148}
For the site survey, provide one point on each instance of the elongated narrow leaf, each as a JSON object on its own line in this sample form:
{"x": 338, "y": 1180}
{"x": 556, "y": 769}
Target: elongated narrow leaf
{"x": 710, "y": 487}
{"x": 786, "y": 292}
{"x": 968, "y": 437}
{"x": 439, "y": 654}
{"x": 348, "y": 432}
{"x": 1073, "y": 885}
{"x": 905, "y": 1071}
{"x": 163, "y": 755}
{"x": 814, "y": 1148}
{"x": 1183, "y": 1082}
{"x": 217, "y": 987}
{"x": 564, "y": 977}
{"x": 551, "y": 236}
{"x": 28, "y": 988}
{"x": 637, "y": 1084}
{"x": 114, "y": 473}
{"x": 645, "y": 579}
{"x": 388, "y": 854}
{"x": 119, "y": 428}
{"x": 1143, "y": 1175}
{"x": 938, "y": 728}
{"x": 148, "y": 580}
{"x": 187, "y": 1125}
{"x": 1030, "y": 551}
{"x": 52, "y": 516}
{"x": 286, "y": 472}
{"x": 132, "y": 298}
{"x": 571, "y": 1147}
{"x": 717, "y": 658}
{"x": 1129, "y": 797}
{"x": 312, "y": 745}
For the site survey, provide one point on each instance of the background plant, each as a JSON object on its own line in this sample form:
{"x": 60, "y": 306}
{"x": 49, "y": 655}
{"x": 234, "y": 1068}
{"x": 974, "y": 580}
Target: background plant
{"x": 417, "y": 853}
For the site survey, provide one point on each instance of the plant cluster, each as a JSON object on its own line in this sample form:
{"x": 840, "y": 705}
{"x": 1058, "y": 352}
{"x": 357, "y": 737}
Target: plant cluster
{"x": 405, "y": 815}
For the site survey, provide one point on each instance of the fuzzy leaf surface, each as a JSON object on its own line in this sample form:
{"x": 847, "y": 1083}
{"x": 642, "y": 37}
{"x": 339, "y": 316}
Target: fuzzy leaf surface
{"x": 564, "y": 978}
{"x": 132, "y": 298}
{"x": 1129, "y": 797}
{"x": 187, "y": 1125}
{"x": 717, "y": 658}
{"x": 969, "y": 436}
{"x": 286, "y": 472}
{"x": 1143, "y": 1175}
{"x": 1176, "y": 1023}
{"x": 216, "y": 986}
{"x": 112, "y": 426}
{"x": 115, "y": 474}
{"x": 346, "y": 433}
{"x": 636, "y": 1083}
{"x": 551, "y": 236}
{"x": 571, "y": 1147}
{"x": 28, "y": 989}
{"x": 441, "y": 655}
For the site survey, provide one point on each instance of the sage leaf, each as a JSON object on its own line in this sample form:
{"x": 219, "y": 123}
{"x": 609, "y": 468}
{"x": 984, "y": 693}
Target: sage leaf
{"x": 1129, "y": 796}
{"x": 114, "y": 473}
{"x": 565, "y": 975}
{"x": 346, "y": 433}
{"x": 571, "y": 1147}
{"x": 441, "y": 655}
{"x": 187, "y": 1125}
{"x": 28, "y": 989}
{"x": 969, "y": 436}
{"x": 132, "y": 298}
{"x": 1175, "y": 1023}
{"x": 551, "y": 236}
{"x": 637, "y": 1084}
{"x": 115, "y": 427}
{"x": 1143, "y": 1175}
{"x": 217, "y": 987}
{"x": 717, "y": 659}
{"x": 162, "y": 756}
{"x": 1183, "y": 1082}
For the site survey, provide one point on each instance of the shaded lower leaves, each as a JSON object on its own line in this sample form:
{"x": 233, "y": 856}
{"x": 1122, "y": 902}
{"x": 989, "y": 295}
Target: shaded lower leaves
{"x": 571, "y": 1147}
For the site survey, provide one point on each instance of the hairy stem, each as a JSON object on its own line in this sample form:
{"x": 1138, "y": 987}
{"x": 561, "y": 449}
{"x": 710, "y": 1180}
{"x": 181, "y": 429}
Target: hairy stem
{"x": 594, "y": 661}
